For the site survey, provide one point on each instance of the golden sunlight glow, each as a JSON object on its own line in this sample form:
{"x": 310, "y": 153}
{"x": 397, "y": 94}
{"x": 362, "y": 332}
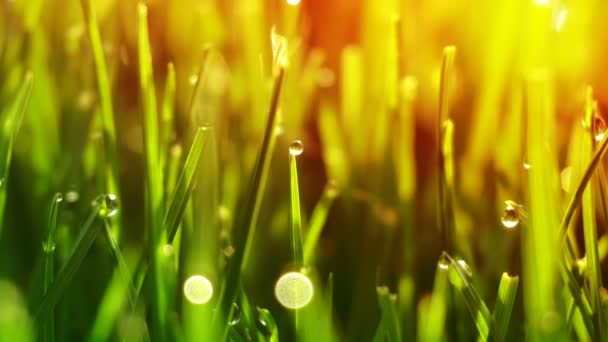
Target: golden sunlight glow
{"x": 198, "y": 289}
{"x": 293, "y": 2}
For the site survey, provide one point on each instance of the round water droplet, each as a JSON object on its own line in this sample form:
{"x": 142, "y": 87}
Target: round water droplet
{"x": 235, "y": 317}
{"x": 510, "y": 216}
{"x": 466, "y": 268}
{"x": 296, "y": 148}
{"x": 72, "y": 196}
{"x": 58, "y": 197}
{"x": 599, "y": 128}
{"x": 527, "y": 166}
{"x": 293, "y": 290}
{"x": 193, "y": 79}
{"x": 443, "y": 263}
{"x": 198, "y": 289}
{"x": 48, "y": 248}
{"x": 107, "y": 205}
{"x": 228, "y": 251}
{"x": 168, "y": 250}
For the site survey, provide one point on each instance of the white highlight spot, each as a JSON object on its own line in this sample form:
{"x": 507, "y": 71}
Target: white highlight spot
{"x": 293, "y": 290}
{"x": 198, "y": 289}
{"x": 293, "y": 2}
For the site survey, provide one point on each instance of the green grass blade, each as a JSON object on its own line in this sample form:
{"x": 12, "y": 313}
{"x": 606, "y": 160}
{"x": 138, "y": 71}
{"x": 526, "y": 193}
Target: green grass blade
{"x": 113, "y": 301}
{"x": 242, "y": 227}
{"x": 318, "y": 219}
{"x": 265, "y": 319}
{"x": 153, "y": 174}
{"x": 105, "y": 95}
{"x": 168, "y": 120}
{"x": 594, "y": 273}
{"x": 477, "y": 307}
{"x": 446, "y": 215}
{"x": 10, "y": 128}
{"x": 48, "y": 328}
{"x": 185, "y": 184}
{"x": 390, "y": 317}
{"x": 88, "y": 234}
{"x": 118, "y": 257}
{"x": 294, "y": 191}
{"x": 432, "y": 322}
{"x": 507, "y": 291}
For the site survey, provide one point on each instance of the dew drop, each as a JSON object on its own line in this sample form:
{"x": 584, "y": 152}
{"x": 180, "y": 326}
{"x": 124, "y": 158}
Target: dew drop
{"x": 235, "y": 318}
{"x": 599, "y": 128}
{"x": 58, "y": 197}
{"x": 107, "y": 205}
{"x": 264, "y": 322}
{"x": 296, "y": 148}
{"x": 510, "y": 216}
{"x": 443, "y": 263}
{"x": 193, "y": 79}
{"x": 527, "y": 166}
{"x": 48, "y": 248}
{"x": 198, "y": 289}
{"x": 228, "y": 251}
{"x": 293, "y": 290}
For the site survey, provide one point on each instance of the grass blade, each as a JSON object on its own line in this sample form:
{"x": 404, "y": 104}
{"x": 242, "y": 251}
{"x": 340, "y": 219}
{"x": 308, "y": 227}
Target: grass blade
{"x": 507, "y": 291}
{"x": 318, "y": 219}
{"x": 295, "y": 149}
{"x": 242, "y": 227}
{"x": 48, "y": 328}
{"x": 168, "y": 113}
{"x": 477, "y": 307}
{"x": 105, "y": 94}
{"x": 446, "y": 215}
{"x": 185, "y": 184}
{"x": 153, "y": 173}
{"x": 269, "y": 325}
{"x": 10, "y": 128}
{"x": 432, "y": 323}
{"x": 88, "y": 234}
{"x": 390, "y": 317}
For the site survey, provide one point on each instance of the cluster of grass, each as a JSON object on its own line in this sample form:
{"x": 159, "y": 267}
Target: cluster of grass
{"x": 172, "y": 198}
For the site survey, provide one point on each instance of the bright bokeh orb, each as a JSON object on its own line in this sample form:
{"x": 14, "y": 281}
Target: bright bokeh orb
{"x": 198, "y": 289}
{"x": 293, "y": 290}
{"x": 293, "y": 2}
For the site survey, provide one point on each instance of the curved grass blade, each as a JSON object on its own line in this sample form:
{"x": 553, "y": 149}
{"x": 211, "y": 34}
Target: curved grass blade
{"x": 477, "y": 307}
{"x": 119, "y": 259}
{"x": 318, "y": 219}
{"x": 507, "y": 291}
{"x": 10, "y": 128}
{"x": 48, "y": 326}
{"x": 242, "y": 227}
{"x": 88, "y": 233}
{"x": 296, "y": 216}
{"x": 265, "y": 319}
{"x": 390, "y": 317}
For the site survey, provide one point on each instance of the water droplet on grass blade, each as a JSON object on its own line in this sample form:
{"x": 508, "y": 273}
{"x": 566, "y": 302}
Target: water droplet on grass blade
{"x": 296, "y": 148}
{"x": 599, "y": 128}
{"x": 235, "y": 317}
{"x": 293, "y": 290}
{"x": 58, "y": 198}
{"x": 198, "y": 289}
{"x": 107, "y": 205}
{"x": 443, "y": 263}
{"x": 511, "y": 215}
{"x": 48, "y": 248}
